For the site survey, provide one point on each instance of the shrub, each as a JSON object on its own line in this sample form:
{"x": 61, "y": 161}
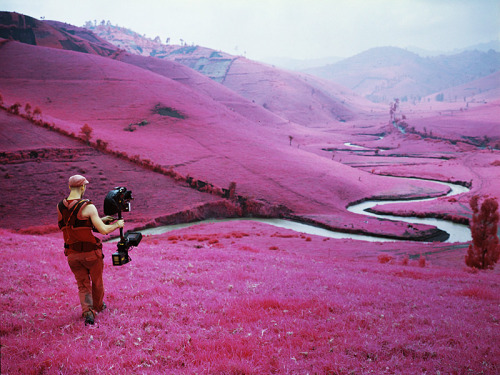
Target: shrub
{"x": 14, "y": 108}
{"x": 232, "y": 189}
{"x": 384, "y": 258}
{"x": 168, "y": 111}
{"x": 27, "y": 109}
{"x": 101, "y": 145}
{"x": 406, "y": 260}
{"x": 37, "y": 112}
{"x": 86, "y": 133}
{"x": 484, "y": 251}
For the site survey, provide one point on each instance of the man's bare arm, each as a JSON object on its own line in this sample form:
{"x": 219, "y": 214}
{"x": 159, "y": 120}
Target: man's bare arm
{"x": 90, "y": 211}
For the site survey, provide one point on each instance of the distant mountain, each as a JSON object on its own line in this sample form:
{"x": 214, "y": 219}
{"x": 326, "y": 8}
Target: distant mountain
{"x": 482, "y": 47}
{"x": 384, "y": 73}
{"x": 484, "y": 89}
{"x": 300, "y": 64}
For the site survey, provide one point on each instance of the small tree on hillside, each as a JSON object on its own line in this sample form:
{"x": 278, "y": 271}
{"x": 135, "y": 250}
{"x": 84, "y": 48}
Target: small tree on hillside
{"x": 232, "y": 189}
{"x": 37, "y": 112}
{"x": 27, "y": 109}
{"x": 484, "y": 251}
{"x": 86, "y": 133}
{"x": 14, "y": 108}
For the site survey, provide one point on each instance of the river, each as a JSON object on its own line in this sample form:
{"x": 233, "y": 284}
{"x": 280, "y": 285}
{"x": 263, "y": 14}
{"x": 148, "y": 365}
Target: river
{"x": 457, "y": 232}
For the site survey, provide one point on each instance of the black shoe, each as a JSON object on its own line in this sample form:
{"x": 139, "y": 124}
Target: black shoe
{"x": 89, "y": 318}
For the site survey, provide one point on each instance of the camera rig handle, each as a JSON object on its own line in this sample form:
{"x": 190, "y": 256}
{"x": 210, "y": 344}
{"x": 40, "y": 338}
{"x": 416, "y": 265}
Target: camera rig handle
{"x": 121, "y": 229}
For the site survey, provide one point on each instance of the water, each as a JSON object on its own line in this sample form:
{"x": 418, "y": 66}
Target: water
{"x": 355, "y": 146}
{"x": 457, "y": 232}
{"x": 280, "y": 223}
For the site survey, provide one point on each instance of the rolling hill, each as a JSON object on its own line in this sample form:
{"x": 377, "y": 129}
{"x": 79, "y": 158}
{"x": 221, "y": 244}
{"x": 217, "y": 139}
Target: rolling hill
{"x": 29, "y": 30}
{"x": 316, "y": 102}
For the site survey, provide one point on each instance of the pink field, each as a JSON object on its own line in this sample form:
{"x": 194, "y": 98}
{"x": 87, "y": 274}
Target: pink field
{"x": 248, "y": 299}
{"x": 238, "y": 297}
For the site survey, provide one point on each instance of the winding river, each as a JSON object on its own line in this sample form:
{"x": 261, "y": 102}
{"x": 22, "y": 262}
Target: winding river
{"x": 457, "y": 232}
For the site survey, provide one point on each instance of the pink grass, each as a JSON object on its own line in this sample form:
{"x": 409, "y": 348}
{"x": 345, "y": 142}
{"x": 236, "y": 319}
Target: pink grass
{"x": 197, "y": 307}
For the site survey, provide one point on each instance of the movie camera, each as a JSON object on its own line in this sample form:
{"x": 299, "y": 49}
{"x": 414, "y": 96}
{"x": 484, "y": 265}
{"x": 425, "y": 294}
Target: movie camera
{"x": 116, "y": 202}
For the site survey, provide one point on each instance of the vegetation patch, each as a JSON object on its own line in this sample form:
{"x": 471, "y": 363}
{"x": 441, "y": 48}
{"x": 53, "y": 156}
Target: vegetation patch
{"x": 167, "y": 111}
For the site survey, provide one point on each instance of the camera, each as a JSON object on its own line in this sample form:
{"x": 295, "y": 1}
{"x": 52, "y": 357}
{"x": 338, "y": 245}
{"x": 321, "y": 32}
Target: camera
{"x": 127, "y": 241}
{"x": 116, "y": 201}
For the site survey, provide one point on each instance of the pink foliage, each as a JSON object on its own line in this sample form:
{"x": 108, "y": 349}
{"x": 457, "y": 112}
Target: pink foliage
{"x": 485, "y": 249}
{"x": 86, "y": 133}
{"x": 385, "y": 258}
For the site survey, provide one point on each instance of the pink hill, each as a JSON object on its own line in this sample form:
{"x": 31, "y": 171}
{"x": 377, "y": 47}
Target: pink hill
{"x": 29, "y": 30}
{"x": 107, "y": 94}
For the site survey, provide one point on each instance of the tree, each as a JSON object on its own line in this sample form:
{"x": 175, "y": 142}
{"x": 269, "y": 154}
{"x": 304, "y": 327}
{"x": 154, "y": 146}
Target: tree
{"x": 232, "y": 189}
{"x": 484, "y": 251}
{"x": 27, "y": 109}
{"x": 86, "y": 133}
{"x": 14, "y": 108}
{"x": 37, "y": 112}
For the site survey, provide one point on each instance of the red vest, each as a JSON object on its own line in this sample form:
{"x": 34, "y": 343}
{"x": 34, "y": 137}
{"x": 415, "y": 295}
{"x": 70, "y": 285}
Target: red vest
{"x": 75, "y": 230}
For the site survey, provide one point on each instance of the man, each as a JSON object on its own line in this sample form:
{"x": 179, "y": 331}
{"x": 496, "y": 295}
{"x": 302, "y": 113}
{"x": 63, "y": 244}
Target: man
{"x": 77, "y": 217}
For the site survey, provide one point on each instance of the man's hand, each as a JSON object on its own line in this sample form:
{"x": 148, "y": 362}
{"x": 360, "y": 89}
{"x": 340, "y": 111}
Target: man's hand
{"x": 108, "y": 219}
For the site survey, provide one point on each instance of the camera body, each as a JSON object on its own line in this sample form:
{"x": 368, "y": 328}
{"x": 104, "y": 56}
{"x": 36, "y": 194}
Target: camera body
{"x": 129, "y": 240}
{"x": 116, "y": 201}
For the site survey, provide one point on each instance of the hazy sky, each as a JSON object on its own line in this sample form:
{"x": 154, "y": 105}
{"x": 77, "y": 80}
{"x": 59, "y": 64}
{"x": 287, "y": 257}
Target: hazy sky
{"x": 302, "y": 29}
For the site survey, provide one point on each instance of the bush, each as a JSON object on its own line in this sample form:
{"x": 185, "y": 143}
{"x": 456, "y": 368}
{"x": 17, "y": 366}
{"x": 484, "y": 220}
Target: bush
{"x": 14, "y": 108}
{"x": 86, "y": 133}
{"x": 484, "y": 251}
{"x": 27, "y": 109}
{"x": 385, "y": 258}
{"x": 37, "y": 112}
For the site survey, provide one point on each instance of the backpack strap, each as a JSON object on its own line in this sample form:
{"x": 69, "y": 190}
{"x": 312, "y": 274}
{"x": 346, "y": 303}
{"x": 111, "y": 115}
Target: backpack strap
{"x": 76, "y": 208}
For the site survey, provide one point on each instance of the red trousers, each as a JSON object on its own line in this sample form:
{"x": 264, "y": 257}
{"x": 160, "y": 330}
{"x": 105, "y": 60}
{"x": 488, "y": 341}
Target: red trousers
{"x": 87, "y": 268}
